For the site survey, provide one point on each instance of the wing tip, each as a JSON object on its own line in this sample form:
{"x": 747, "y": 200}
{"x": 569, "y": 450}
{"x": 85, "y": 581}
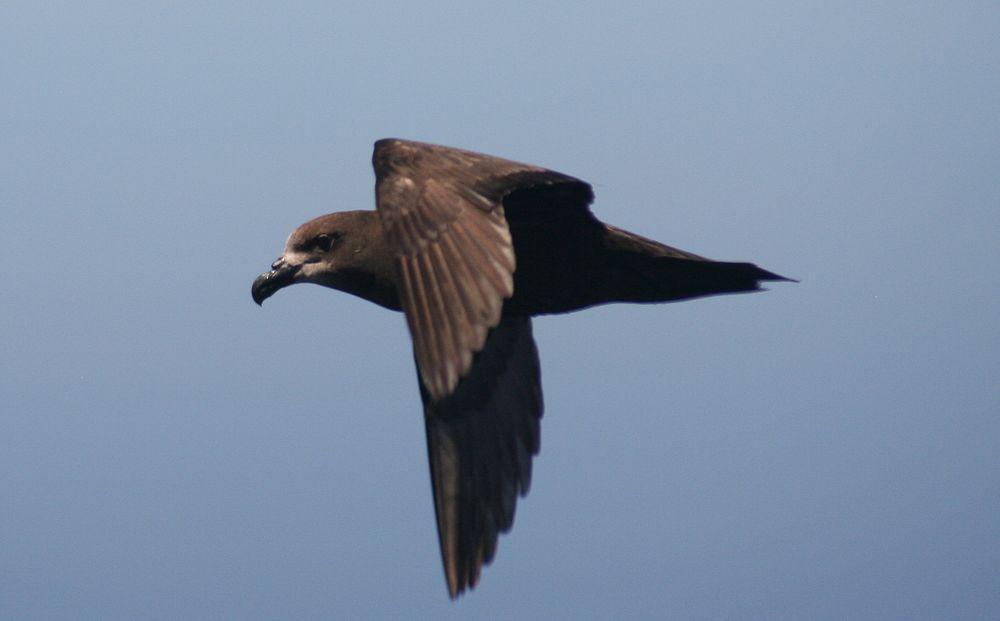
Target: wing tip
{"x": 458, "y": 586}
{"x": 456, "y": 589}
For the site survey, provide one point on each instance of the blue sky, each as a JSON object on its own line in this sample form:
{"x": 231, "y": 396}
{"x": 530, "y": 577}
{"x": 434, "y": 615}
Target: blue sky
{"x": 823, "y": 450}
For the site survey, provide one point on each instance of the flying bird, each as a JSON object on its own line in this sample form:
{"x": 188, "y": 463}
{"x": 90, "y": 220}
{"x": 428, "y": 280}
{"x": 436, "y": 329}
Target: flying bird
{"x": 469, "y": 247}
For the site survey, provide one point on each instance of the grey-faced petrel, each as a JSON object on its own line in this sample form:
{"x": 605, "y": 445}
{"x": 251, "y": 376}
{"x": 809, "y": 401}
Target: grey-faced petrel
{"x": 469, "y": 247}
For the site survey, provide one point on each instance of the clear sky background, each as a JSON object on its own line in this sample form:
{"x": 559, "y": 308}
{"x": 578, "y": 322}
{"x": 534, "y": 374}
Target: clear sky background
{"x": 823, "y": 450}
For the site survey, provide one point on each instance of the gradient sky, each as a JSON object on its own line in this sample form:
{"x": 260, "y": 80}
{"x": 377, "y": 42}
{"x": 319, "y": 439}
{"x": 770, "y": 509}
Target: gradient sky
{"x": 823, "y": 450}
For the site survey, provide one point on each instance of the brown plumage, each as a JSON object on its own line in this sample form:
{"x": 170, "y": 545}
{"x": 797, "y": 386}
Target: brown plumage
{"x": 469, "y": 247}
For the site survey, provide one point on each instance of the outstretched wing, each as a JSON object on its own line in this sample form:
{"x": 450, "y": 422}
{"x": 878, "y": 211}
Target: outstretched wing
{"x": 442, "y": 211}
{"x": 443, "y": 214}
{"x": 480, "y": 442}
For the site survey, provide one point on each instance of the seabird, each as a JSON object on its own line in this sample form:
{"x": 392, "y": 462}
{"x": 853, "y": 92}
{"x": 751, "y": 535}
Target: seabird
{"x": 470, "y": 247}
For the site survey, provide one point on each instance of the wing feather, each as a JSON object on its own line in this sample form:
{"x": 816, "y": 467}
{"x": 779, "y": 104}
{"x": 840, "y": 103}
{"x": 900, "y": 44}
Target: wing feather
{"x": 455, "y": 305}
{"x": 443, "y": 215}
{"x": 480, "y": 440}
{"x": 471, "y": 295}
{"x": 436, "y": 228}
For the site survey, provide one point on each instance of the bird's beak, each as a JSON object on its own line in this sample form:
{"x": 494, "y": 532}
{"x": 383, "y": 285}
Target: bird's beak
{"x": 281, "y": 275}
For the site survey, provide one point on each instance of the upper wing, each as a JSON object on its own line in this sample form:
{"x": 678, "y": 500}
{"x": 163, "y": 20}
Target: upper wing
{"x": 442, "y": 210}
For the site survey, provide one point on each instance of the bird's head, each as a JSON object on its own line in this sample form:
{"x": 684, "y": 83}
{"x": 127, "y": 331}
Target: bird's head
{"x": 331, "y": 250}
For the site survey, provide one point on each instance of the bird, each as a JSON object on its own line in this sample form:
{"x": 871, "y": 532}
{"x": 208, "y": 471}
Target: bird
{"x": 470, "y": 247}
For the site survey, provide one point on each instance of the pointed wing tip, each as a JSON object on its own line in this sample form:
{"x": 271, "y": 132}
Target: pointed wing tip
{"x": 458, "y": 588}
{"x": 455, "y": 590}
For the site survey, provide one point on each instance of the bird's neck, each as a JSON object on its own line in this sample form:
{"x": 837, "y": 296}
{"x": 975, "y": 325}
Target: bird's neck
{"x": 371, "y": 272}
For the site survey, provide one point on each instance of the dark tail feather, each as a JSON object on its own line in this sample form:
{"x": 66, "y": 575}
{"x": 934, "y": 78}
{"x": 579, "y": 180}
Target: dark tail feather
{"x": 640, "y": 278}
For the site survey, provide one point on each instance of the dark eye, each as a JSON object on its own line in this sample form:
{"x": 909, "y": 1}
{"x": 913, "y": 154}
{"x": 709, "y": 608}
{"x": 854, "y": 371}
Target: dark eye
{"x": 324, "y": 241}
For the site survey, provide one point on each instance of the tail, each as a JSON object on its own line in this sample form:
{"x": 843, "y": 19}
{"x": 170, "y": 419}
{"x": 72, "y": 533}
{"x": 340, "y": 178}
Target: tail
{"x": 666, "y": 279}
{"x": 643, "y": 270}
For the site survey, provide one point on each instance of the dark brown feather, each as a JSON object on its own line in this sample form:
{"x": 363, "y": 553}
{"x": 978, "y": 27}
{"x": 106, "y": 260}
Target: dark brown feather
{"x": 456, "y": 220}
{"x": 471, "y": 246}
{"x": 480, "y": 440}
{"x": 443, "y": 214}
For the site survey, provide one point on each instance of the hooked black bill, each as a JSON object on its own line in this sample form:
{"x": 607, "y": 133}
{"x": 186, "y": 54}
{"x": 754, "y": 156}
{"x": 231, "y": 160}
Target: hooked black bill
{"x": 265, "y": 285}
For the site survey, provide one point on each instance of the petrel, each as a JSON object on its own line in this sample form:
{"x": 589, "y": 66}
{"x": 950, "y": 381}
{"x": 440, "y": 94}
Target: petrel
{"x": 470, "y": 247}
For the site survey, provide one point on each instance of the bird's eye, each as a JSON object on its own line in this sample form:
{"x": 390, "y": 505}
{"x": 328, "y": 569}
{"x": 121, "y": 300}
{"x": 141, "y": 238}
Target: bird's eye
{"x": 324, "y": 241}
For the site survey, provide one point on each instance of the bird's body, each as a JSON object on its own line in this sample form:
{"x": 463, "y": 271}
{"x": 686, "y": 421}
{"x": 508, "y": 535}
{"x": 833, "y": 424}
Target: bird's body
{"x": 469, "y": 247}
